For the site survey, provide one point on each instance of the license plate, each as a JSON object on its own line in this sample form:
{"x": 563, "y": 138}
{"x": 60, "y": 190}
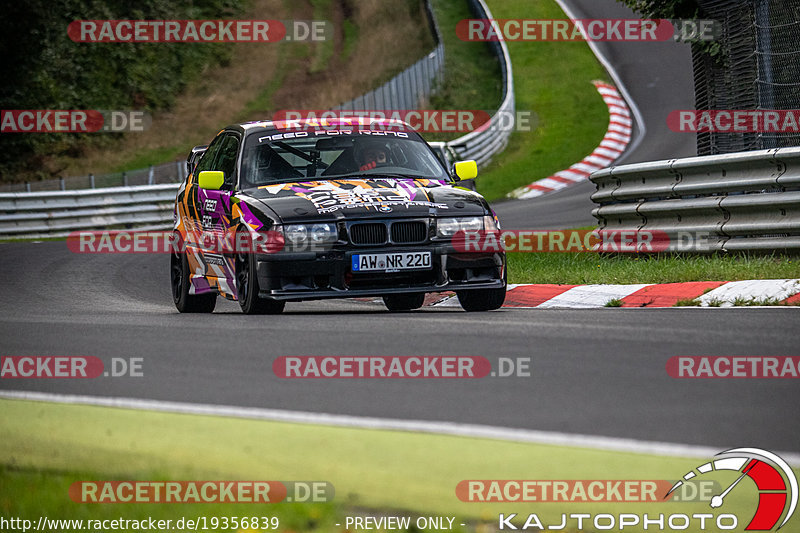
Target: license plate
{"x": 392, "y": 262}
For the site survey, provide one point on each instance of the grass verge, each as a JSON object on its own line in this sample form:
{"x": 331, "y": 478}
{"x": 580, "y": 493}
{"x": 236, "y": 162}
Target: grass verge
{"x": 583, "y": 268}
{"x": 472, "y": 75}
{"x": 48, "y": 446}
{"x": 553, "y": 80}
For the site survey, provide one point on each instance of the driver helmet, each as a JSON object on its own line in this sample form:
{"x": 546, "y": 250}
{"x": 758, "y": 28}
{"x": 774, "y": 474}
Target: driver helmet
{"x": 371, "y": 153}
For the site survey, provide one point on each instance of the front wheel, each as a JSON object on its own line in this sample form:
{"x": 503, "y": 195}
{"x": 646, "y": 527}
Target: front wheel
{"x": 247, "y": 284}
{"x": 404, "y": 302}
{"x": 180, "y": 280}
{"x": 483, "y": 299}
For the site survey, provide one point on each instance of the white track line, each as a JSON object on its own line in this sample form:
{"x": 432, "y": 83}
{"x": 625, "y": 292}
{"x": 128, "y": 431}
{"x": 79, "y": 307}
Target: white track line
{"x": 362, "y": 422}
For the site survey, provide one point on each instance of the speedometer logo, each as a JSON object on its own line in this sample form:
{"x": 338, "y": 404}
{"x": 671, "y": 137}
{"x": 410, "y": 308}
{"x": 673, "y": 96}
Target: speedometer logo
{"x": 774, "y": 479}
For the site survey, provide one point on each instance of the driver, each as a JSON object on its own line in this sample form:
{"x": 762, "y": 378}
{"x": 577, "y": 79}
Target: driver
{"x": 370, "y": 156}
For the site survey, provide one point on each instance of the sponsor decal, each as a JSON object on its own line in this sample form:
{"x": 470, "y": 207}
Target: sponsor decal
{"x": 385, "y": 129}
{"x": 373, "y": 194}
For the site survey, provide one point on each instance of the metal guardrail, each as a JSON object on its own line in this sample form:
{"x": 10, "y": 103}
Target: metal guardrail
{"x": 733, "y": 202}
{"x": 405, "y": 90}
{"x": 170, "y": 172}
{"x": 482, "y": 145}
{"x": 57, "y": 213}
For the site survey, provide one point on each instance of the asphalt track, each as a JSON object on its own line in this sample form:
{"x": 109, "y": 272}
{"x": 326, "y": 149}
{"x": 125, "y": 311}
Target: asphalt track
{"x": 658, "y": 77}
{"x": 598, "y": 372}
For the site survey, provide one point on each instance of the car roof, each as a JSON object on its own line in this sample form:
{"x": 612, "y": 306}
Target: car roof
{"x": 325, "y": 122}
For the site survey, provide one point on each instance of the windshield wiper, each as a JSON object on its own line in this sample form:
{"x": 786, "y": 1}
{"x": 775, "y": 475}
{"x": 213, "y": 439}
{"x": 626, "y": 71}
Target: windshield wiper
{"x": 287, "y": 180}
{"x": 377, "y": 175}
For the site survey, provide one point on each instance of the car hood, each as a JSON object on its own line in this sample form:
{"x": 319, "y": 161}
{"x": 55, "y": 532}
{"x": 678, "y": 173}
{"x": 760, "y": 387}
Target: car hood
{"x": 367, "y": 198}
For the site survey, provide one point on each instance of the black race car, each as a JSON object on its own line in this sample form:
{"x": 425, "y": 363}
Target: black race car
{"x": 304, "y": 210}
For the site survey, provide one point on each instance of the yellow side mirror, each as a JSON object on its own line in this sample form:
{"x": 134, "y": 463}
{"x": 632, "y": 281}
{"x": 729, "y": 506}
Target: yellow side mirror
{"x": 211, "y": 179}
{"x": 466, "y": 170}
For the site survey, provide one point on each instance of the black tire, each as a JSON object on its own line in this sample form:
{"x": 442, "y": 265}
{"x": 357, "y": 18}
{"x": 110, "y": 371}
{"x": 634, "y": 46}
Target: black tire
{"x": 404, "y": 302}
{"x": 247, "y": 285}
{"x": 179, "y": 278}
{"x": 483, "y": 299}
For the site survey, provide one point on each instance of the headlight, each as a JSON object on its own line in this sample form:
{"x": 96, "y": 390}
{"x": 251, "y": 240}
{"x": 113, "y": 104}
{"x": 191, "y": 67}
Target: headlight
{"x": 490, "y": 224}
{"x": 320, "y": 233}
{"x": 447, "y": 227}
{"x": 296, "y": 233}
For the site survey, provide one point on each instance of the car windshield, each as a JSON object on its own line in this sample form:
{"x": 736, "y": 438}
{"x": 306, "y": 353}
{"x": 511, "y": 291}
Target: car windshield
{"x": 279, "y": 157}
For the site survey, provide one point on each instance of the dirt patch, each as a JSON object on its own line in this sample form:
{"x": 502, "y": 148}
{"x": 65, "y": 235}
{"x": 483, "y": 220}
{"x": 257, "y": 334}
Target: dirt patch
{"x": 392, "y": 36}
{"x": 261, "y": 79}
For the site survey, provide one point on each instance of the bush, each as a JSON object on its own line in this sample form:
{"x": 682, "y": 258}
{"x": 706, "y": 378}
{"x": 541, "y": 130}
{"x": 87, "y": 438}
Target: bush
{"x": 50, "y": 71}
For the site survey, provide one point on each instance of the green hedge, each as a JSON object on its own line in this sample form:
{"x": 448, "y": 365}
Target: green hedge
{"x": 50, "y": 71}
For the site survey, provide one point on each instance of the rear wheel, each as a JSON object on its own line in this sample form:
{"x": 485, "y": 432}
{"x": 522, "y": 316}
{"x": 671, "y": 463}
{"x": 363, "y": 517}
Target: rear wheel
{"x": 247, "y": 283}
{"x": 180, "y": 280}
{"x": 404, "y": 302}
{"x": 482, "y": 299}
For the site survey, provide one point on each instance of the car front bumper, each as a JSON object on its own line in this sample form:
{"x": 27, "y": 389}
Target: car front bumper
{"x": 320, "y": 275}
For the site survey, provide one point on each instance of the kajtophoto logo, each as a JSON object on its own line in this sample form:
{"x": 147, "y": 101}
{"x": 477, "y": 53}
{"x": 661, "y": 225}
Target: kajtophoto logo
{"x": 775, "y": 492}
{"x": 773, "y": 477}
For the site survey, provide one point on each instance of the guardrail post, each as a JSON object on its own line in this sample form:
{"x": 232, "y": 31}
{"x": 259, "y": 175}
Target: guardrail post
{"x": 124, "y": 179}
{"x": 91, "y": 181}
{"x": 61, "y": 184}
{"x": 150, "y": 176}
{"x": 27, "y": 186}
{"x": 181, "y": 167}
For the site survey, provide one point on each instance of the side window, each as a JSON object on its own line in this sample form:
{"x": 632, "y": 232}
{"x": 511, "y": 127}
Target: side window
{"x": 207, "y": 161}
{"x": 226, "y": 158}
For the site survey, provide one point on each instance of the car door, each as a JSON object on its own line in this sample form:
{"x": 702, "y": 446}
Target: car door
{"x": 214, "y": 208}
